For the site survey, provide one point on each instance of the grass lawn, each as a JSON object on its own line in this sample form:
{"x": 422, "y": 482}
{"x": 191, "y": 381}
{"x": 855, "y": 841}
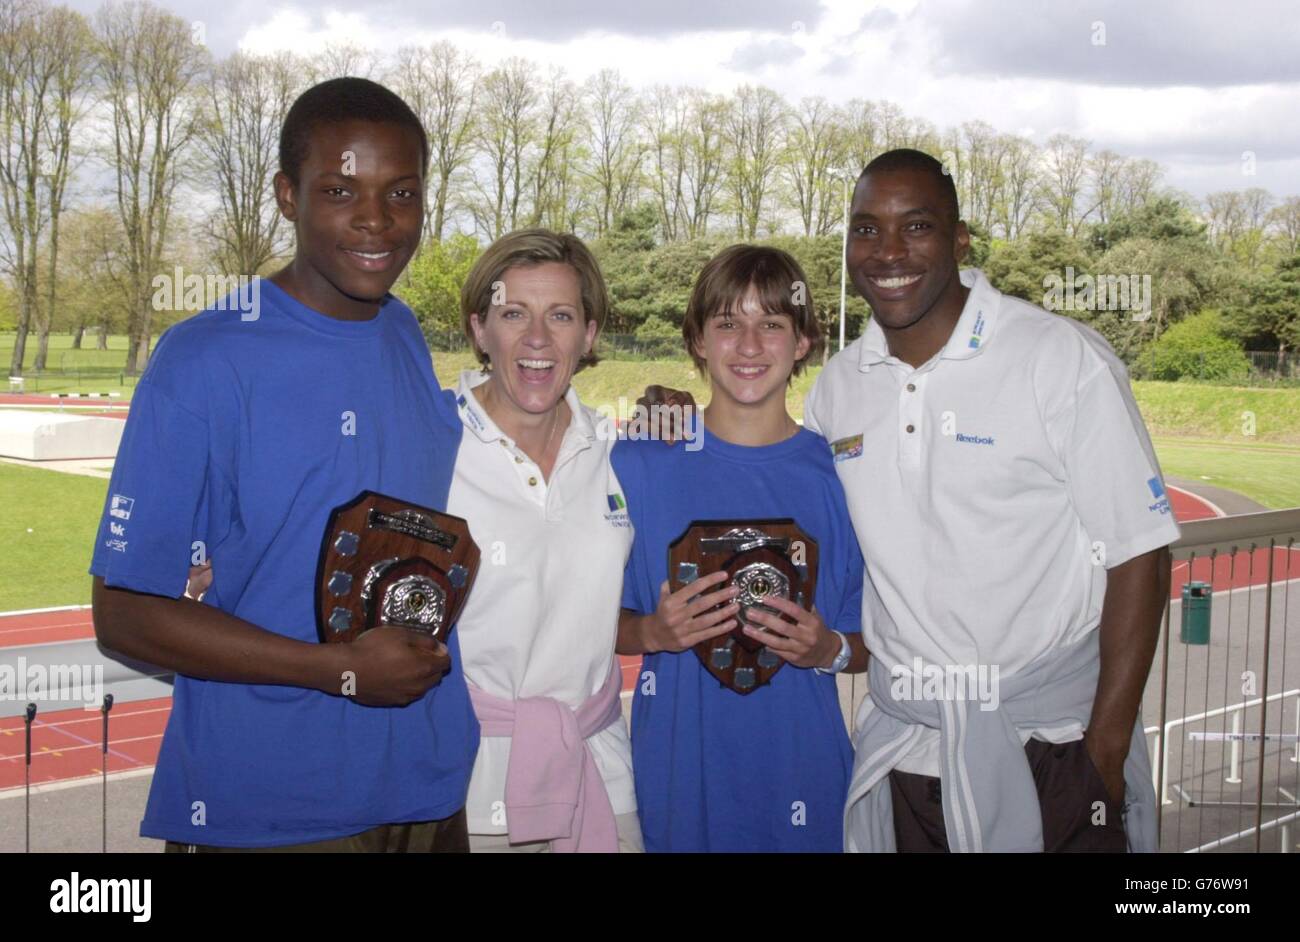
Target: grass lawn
{"x": 84, "y": 370}
{"x": 1270, "y": 475}
{"x": 47, "y": 529}
{"x": 1229, "y": 414}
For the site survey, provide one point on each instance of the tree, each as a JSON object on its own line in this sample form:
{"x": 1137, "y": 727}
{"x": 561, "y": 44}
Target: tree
{"x": 1105, "y": 169}
{"x": 442, "y": 85}
{"x": 754, "y": 124}
{"x": 1067, "y": 161}
{"x": 506, "y": 135}
{"x": 1197, "y": 349}
{"x": 1184, "y": 276}
{"x": 705, "y": 154}
{"x": 339, "y": 60}
{"x": 1226, "y": 216}
{"x": 665, "y": 117}
{"x": 245, "y": 104}
{"x": 814, "y": 152}
{"x": 149, "y": 68}
{"x": 67, "y": 40}
{"x": 94, "y": 272}
{"x": 552, "y": 173}
{"x": 1024, "y": 268}
{"x": 1163, "y": 218}
{"x": 980, "y": 154}
{"x": 1271, "y": 314}
{"x": 1138, "y": 180}
{"x": 1021, "y": 186}
{"x": 431, "y": 284}
{"x": 1286, "y": 218}
{"x": 44, "y": 80}
{"x": 616, "y": 150}
{"x": 1257, "y": 204}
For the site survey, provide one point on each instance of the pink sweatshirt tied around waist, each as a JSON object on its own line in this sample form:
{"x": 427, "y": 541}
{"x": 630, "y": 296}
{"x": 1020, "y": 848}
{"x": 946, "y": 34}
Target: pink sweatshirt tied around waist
{"x": 554, "y": 791}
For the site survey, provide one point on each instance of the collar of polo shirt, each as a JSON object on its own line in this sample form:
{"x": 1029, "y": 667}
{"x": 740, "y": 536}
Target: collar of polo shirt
{"x": 475, "y": 417}
{"x": 970, "y": 335}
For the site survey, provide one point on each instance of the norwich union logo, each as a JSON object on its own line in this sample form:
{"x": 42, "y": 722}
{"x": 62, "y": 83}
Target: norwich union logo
{"x": 1161, "y": 505}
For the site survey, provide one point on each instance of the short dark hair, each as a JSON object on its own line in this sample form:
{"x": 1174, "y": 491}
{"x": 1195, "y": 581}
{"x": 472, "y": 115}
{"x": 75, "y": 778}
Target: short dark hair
{"x": 338, "y": 100}
{"x": 905, "y": 158}
{"x": 779, "y": 286}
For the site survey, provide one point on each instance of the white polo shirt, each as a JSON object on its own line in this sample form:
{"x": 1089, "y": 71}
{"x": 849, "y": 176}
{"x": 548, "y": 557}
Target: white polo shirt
{"x": 542, "y": 618}
{"x": 990, "y": 488}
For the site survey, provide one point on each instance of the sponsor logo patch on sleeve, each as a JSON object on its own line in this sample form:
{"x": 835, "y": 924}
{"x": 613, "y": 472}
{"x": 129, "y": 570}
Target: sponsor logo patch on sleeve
{"x": 1161, "y": 504}
{"x": 846, "y": 448}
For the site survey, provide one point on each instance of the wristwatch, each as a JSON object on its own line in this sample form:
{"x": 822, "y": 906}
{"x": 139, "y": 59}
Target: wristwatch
{"x": 841, "y": 660}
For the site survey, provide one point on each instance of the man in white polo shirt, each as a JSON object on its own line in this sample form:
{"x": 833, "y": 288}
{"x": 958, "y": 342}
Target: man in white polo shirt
{"x": 1014, "y": 524}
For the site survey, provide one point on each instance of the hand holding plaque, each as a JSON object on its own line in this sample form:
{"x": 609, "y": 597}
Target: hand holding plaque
{"x": 765, "y": 559}
{"x": 389, "y": 562}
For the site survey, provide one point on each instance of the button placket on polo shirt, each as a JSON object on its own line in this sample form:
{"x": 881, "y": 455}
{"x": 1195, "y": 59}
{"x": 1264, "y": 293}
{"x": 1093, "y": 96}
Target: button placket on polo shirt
{"x": 911, "y": 412}
{"x": 554, "y": 499}
{"x": 527, "y": 472}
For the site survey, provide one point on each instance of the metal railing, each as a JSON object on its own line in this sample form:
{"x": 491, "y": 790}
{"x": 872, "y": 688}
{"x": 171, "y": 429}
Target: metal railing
{"x": 1238, "y": 669}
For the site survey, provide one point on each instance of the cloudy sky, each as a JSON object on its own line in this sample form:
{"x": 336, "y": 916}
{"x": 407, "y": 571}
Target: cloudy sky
{"x": 1190, "y": 83}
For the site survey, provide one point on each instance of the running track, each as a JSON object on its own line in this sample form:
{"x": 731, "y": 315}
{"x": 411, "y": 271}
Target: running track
{"x": 67, "y": 744}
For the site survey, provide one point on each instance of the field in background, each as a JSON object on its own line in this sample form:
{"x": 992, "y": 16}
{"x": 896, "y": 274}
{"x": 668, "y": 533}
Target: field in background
{"x": 1228, "y": 414}
{"x": 47, "y": 528}
{"x": 1198, "y": 432}
{"x": 1268, "y": 474}
{"x": 86, "y": 370}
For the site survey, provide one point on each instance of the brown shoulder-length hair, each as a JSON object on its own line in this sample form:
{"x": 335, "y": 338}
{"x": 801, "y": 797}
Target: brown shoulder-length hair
{"x": 778, "y": 283}
{"x": 522, "y": 248}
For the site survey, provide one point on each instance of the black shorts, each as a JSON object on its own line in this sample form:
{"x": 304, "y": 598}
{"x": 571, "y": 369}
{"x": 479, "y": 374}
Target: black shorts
{"x": 1069, "y": 788}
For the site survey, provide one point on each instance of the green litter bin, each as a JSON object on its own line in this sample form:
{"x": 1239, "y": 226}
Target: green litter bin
{"x": 1196, "y": 613}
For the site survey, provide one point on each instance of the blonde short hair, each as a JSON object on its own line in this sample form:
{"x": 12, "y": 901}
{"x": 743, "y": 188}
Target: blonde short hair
{"x": 523, "y": 248}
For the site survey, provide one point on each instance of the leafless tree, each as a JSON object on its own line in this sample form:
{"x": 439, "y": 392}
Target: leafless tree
{"x": 244, "y": 106}
{"x": 149, "y": 69}
{"x": 442, "y": 86}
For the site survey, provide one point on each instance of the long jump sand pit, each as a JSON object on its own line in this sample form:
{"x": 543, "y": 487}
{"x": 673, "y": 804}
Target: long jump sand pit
{"x": 53, "y": 436}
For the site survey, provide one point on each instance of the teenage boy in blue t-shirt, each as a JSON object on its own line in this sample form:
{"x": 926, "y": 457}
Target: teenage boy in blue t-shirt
{"x": 715, "y": 770}
{"x": 246, "y": 429}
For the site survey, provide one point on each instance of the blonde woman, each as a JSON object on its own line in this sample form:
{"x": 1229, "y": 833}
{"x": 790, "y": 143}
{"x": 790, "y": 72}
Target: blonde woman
{"x": 532, "y": 477}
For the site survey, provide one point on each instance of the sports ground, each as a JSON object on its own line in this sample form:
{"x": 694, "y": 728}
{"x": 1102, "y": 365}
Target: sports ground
{"x": 45, "y": 620}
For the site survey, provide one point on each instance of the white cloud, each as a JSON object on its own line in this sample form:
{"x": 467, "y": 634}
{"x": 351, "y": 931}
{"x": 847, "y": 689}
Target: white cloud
{"x": 946, "y": 61}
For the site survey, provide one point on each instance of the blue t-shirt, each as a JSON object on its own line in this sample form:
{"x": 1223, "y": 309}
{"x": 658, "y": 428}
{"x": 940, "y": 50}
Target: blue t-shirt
{"x": 715, "y": 770}
{"x": 244, "y": 435}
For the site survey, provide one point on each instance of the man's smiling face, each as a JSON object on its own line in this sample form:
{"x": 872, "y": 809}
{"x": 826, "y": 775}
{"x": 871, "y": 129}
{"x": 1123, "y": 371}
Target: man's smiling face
{"x": 358, "y": 207}
{"x": 904, "y": 244}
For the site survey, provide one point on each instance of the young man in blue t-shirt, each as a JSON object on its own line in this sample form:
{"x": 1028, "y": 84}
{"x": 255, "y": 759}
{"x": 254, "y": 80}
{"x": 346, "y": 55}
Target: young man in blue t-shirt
{"x": 248, "y": 427}
{"x": 715, "y": 770}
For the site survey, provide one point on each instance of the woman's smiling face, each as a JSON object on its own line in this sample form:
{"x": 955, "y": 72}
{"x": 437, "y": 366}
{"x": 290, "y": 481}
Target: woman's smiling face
{"x": 537, "y": 336}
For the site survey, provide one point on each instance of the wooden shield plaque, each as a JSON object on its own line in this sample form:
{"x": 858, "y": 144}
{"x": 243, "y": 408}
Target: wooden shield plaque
{"x": 764, "y": 558}
{"x": 390, "y": 562}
